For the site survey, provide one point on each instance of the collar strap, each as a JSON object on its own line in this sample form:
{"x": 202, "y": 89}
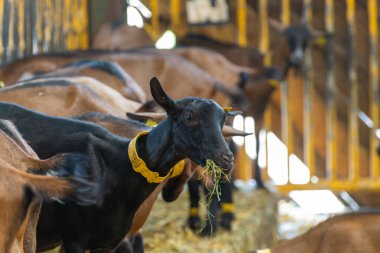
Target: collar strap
{"x": 140, "y": 167}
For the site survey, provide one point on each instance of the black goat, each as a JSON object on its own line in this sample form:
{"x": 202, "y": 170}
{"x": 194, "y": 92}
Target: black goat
{"x": 120, "y": 166}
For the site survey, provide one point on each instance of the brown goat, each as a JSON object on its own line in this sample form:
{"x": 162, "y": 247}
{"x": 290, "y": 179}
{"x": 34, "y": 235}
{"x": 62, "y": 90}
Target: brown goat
{"x": 354, "y": 233}
{"x": 68, "y": 96}
{"x": 21, "y": 193}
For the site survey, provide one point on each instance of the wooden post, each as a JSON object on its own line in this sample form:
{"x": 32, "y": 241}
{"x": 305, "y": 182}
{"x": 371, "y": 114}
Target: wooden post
{"x": 242, "y": 22}
{"x": 1, "y": 29}
{"x": 175, "y": 15}
{"x": 155, "y": 8}
{"x": 331, "y": 114}
{"x": 286, "y": 116}
{"x": 353, "y": 120}
{"x": 374, "y": 99}
{"x": 308, "y": 91}
{"x": 21, "y": 28}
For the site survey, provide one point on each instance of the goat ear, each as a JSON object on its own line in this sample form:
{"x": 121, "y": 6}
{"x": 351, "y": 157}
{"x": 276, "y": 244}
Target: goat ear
{"x": 144, "y": 116}
{"x": 161, "y": 98}
{"x": 229, "y": 131}
{"x": 277, "y": 25}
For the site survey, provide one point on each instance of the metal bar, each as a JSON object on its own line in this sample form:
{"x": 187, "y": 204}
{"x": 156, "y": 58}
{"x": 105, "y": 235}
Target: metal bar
{"x": 353, "y": 120}
{"x": 21, "y": 28}
{"x": 83, "y": 40}
{"x": 286, "y": 116}
{"x": 333, "y": 185}
{"x": 67, "y": 24}
{"x": 331, "y": 114}
{"x": 33, "y": 26}
{"x": 264, "y": 32}
{"x": 308, "y": 91}
{"x": 39, "y": 24}
{"x": 285, "y": 12}
{"x": 46, "y": 26}
{"x": 78, "y": 23}
{"x": 11, "y": 41}
{"x": 264, "y": 49}
{"x": 242, "y": 22}
{"x": 175, "y": 15}
{"x": 374, "y": 99}
{"x": 1, "y": 29}
{"x": 16, "y": 40}
{"x": 61, "y": 30}
{"x": 155, "y": 8}
{"x": 5, "y": 35}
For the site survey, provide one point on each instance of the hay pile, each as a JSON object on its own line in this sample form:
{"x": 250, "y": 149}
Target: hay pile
{"x": 255, "y": 227}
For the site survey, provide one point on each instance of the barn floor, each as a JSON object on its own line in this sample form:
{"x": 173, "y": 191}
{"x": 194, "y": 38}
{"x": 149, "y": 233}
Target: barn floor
{"x": 255, "y": 226}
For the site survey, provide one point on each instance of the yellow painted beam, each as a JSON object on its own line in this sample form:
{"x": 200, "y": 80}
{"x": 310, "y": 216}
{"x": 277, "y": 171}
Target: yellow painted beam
{"x": 285, "y": 12}
{"x": 286, "y": 115}
{"x": 11, "y": 42}
{"x": 155, "y": 8}
{"x": 354, "y": 94}
{"x": 242, "y": 22}
{"x": 175, "y": 15}
{"x": 21, "y": 28}
{"x": 264, "y": 32}
{"x": 1, "y": 28}
{"x": 334, "y": 185}
{"x": 331, "y": 113}
{"x": 308, "y": 94}
{"x": 374, "y": 99}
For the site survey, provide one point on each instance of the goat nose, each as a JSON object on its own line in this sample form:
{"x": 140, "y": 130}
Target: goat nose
{"x": 228, "y": 157}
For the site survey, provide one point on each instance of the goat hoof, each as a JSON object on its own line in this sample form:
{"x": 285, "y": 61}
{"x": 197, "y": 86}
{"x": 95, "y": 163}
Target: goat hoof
{"x": 194, "y": 223}
{"x": 226, "y": 220}
{"x": 209, "y": 230}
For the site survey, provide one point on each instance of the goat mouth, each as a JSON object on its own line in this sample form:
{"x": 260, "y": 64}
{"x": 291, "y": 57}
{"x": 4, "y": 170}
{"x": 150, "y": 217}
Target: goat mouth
{"x": 226, "y": 165}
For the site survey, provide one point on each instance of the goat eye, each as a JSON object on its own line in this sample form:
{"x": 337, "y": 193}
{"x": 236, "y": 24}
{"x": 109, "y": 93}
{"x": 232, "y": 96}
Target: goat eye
{"x": 189, "y": 117}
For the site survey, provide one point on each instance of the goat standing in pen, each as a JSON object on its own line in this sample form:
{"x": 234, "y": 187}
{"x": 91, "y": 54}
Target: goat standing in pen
{"x": 192, "y": 129}
{"x": 21, "y": 193}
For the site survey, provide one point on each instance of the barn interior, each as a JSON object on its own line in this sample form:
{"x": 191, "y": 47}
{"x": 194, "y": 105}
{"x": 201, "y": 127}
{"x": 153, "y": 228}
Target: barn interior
{"x": 309, "y": 74}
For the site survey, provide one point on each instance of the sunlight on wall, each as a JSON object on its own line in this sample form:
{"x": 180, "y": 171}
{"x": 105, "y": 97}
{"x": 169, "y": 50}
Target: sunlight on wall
{"x": 263, "y": 149}
{"x": 277, "y": 160}
{"x": 167, "y": 40}
{"x": 134, "y": 17}
{"x": 238, "y": 124}
{"x": 250, "y": 140}
{"x": 317, "y": 201}
{"x": 141, "y": 7}
{"x": 299, "y": 173}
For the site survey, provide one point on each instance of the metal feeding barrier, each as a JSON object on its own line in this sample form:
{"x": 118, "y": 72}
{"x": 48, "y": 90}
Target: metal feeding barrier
{"x": 30, "y": 27}
{"x": 332, "y": 96}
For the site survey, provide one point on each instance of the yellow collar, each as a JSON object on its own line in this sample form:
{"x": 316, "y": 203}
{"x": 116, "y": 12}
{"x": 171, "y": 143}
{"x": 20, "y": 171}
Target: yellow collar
{"x": 140, "y": 167}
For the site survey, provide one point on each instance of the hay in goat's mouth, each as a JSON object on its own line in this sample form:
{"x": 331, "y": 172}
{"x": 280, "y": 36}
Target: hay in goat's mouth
{"x": 217, "y": 174}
